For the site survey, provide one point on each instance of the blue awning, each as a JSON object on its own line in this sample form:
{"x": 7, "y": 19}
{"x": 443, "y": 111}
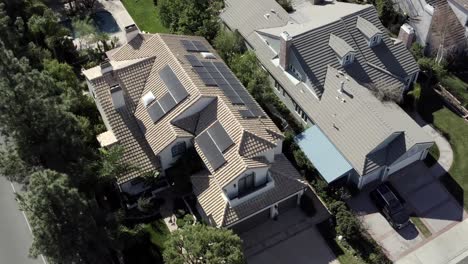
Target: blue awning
{"x": 323, "y": 154}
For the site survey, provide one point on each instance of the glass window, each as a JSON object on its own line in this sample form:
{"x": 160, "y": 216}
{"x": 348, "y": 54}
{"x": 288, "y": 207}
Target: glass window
{"x": 246, "y": 184}
{"x": 178, "y": 149}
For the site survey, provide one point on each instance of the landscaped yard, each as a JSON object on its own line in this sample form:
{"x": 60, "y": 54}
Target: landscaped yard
{"x": 456, "y": 131}
{"x": 145, "y": 14}
{"x": 457, "y": 87}
{"x": 158, "y": 232}
{"x": 421, "y": 226}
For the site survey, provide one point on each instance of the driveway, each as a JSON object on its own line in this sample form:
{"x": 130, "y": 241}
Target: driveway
{"x": 425, "y": 197}
{"x": 293, "y": 238}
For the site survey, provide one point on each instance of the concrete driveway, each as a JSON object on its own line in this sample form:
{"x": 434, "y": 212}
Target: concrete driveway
{"x": 293, "y": 238}
{"x": 425, "y": 197}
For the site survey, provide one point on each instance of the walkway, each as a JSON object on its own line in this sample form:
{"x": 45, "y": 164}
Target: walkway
{"x": 446, "y": 153}
{"x": 449, "y": 247}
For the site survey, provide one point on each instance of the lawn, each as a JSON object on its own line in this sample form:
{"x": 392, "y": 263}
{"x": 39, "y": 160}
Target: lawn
{"x": 457, "y": 87}
{"x": 455, "y": 129}
{"x": 421, "y": 226}
{"x": 145, "y": 14}
{"x": 158, "y": 232}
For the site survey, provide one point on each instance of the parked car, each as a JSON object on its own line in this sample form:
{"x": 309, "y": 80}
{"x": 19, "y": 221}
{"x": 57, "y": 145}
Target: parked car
{"x": 390, "y": 206}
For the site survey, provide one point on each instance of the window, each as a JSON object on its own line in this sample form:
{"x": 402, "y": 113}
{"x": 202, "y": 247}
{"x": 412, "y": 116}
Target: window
{"x": 178, "y": 149}
{"x": 246, "y": 185}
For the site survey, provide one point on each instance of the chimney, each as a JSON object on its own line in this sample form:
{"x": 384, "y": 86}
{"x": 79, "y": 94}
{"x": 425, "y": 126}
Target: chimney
{"x": 106, "y": 66}
{"x": 117, "y": 96}
{"x": 131, "y": 31}
{"x": 406, "y": 35}
{"x": 285, "y": 44}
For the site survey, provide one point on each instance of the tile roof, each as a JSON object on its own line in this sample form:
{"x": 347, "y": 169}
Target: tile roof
{"x": 210, "y": 196}
{"x": 367, "y": 28}
{"x": 340, "y": 46}
{"x": 136, "y": 67}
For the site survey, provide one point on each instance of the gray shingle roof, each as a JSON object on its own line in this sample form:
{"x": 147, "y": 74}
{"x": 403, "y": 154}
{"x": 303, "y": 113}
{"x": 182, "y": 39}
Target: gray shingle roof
{"x": 364, "y": 121}
{"x": 367, "y": 28}
{"x": 340, "y": 46}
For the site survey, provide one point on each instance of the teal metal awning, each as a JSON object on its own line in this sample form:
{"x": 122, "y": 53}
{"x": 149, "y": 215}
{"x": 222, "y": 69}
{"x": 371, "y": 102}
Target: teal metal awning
{"x": 323, "y": 154}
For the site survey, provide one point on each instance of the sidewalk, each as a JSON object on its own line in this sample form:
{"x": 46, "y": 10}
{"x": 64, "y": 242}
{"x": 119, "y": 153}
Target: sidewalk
{"x": 449, "y": 247}
{"x": 446, "y": 154}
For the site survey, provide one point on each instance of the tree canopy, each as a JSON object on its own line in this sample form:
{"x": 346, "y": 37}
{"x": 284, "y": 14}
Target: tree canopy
{"x": 62, "y": 221}
{"x": 203, "y": 244}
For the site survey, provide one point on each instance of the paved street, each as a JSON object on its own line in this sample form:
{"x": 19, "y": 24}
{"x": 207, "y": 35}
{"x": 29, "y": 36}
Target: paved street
{"x": 15, "y": 237}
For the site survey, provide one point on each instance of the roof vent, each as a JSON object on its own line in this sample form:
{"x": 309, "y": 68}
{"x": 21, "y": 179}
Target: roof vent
{"x": 273, "y": 11}
{"x": 148, "y": 98}
{"x": 106, "y": 66}
{"x": 267, "y": 16}
{"x": 117, "y": 96}
{"x": 341, "y": 87}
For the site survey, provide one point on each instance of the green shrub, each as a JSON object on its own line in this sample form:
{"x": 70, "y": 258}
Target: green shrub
{"x": 186, "y": 220}
{"x": 337, "y": 206}
{"x": 307, "y": 205}
{"x": 348, "y": 225}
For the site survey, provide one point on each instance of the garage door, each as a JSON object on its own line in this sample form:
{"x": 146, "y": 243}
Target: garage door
{"x": 252, "y": 222}
{"x": 400, "y": 165}
{"x": 287, "y": 204}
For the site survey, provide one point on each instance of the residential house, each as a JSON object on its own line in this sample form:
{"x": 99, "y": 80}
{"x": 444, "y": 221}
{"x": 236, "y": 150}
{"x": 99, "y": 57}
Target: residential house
{"x": 161, "y": 94}
{"x": 440, "y": 25}
{"x": 324, "y": 61}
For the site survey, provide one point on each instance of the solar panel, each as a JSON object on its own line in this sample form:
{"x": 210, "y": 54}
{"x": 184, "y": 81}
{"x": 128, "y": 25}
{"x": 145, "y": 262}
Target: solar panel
{"x": 188, "y": 45}
{"x": 245, "y": 113}
{"x": 220, "y": 136}
{"x": 199, "y": 45}
{"x": 205, "y": 76}
{"x": 167, "y": 102}
{"x": 210, "y": 151}
{"x": 193, "y": 61}
{"x": 173, "y": 84}
{"x": 155, "y": 112}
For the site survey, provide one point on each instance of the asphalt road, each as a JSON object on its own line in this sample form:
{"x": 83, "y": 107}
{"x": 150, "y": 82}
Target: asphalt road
{"x": 15, "y": 236}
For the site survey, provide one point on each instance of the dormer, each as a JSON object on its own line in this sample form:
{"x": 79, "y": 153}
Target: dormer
{"x": 371, "y": 33}
{"x": 342, "y": 49}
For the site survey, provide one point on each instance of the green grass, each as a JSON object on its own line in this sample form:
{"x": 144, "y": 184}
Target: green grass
{"x": 347, "y": 256}
{"x": 455, "y": 129}
{"x": 457, "y": 87}
{"x": 421, "y": 226}
{"x": 145, "y": 14}
{"x": 158, "y": 232}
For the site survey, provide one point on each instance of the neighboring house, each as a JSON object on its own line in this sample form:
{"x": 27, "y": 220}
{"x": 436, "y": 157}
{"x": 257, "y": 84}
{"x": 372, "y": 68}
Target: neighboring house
{"x": 440, "y": 25}
{"x": 322, "y": 60}
{"x": 160, "y": 94}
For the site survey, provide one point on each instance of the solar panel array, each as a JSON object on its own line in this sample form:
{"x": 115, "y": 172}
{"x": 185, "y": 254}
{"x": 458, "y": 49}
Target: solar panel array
{"x": 218, "y": 74}
{"x": 210, "y": 150}
{"x": 176, "y": 92}
{"x": 220, "y": 136}
{"x": 193, "y": 45}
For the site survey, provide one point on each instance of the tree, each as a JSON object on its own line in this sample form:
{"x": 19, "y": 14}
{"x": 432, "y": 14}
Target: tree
{"x": 111, "y": 165}
{"x": 348, "y": 225}
{"x": 417, "y": 50}
{"x": 62, "y": 221}
{"x": 35, "y": 114}
{"x": 12, "y": 166}
{"x": 85, "y": 30}
{"x": 228, "y": 44}
{"x": 286, "y": 5}
{"x": 203, "y": 244}
{"x": 192, "y": 17}
{"x": 251, "y": 74}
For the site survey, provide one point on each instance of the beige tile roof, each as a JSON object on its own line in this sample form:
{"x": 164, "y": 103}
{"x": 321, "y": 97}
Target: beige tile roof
{"x": 136, "y": 69}
{"x": 287, "y": 182}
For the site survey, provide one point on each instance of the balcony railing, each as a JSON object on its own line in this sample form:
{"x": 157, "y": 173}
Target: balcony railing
{"x": 268, "y": 185}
